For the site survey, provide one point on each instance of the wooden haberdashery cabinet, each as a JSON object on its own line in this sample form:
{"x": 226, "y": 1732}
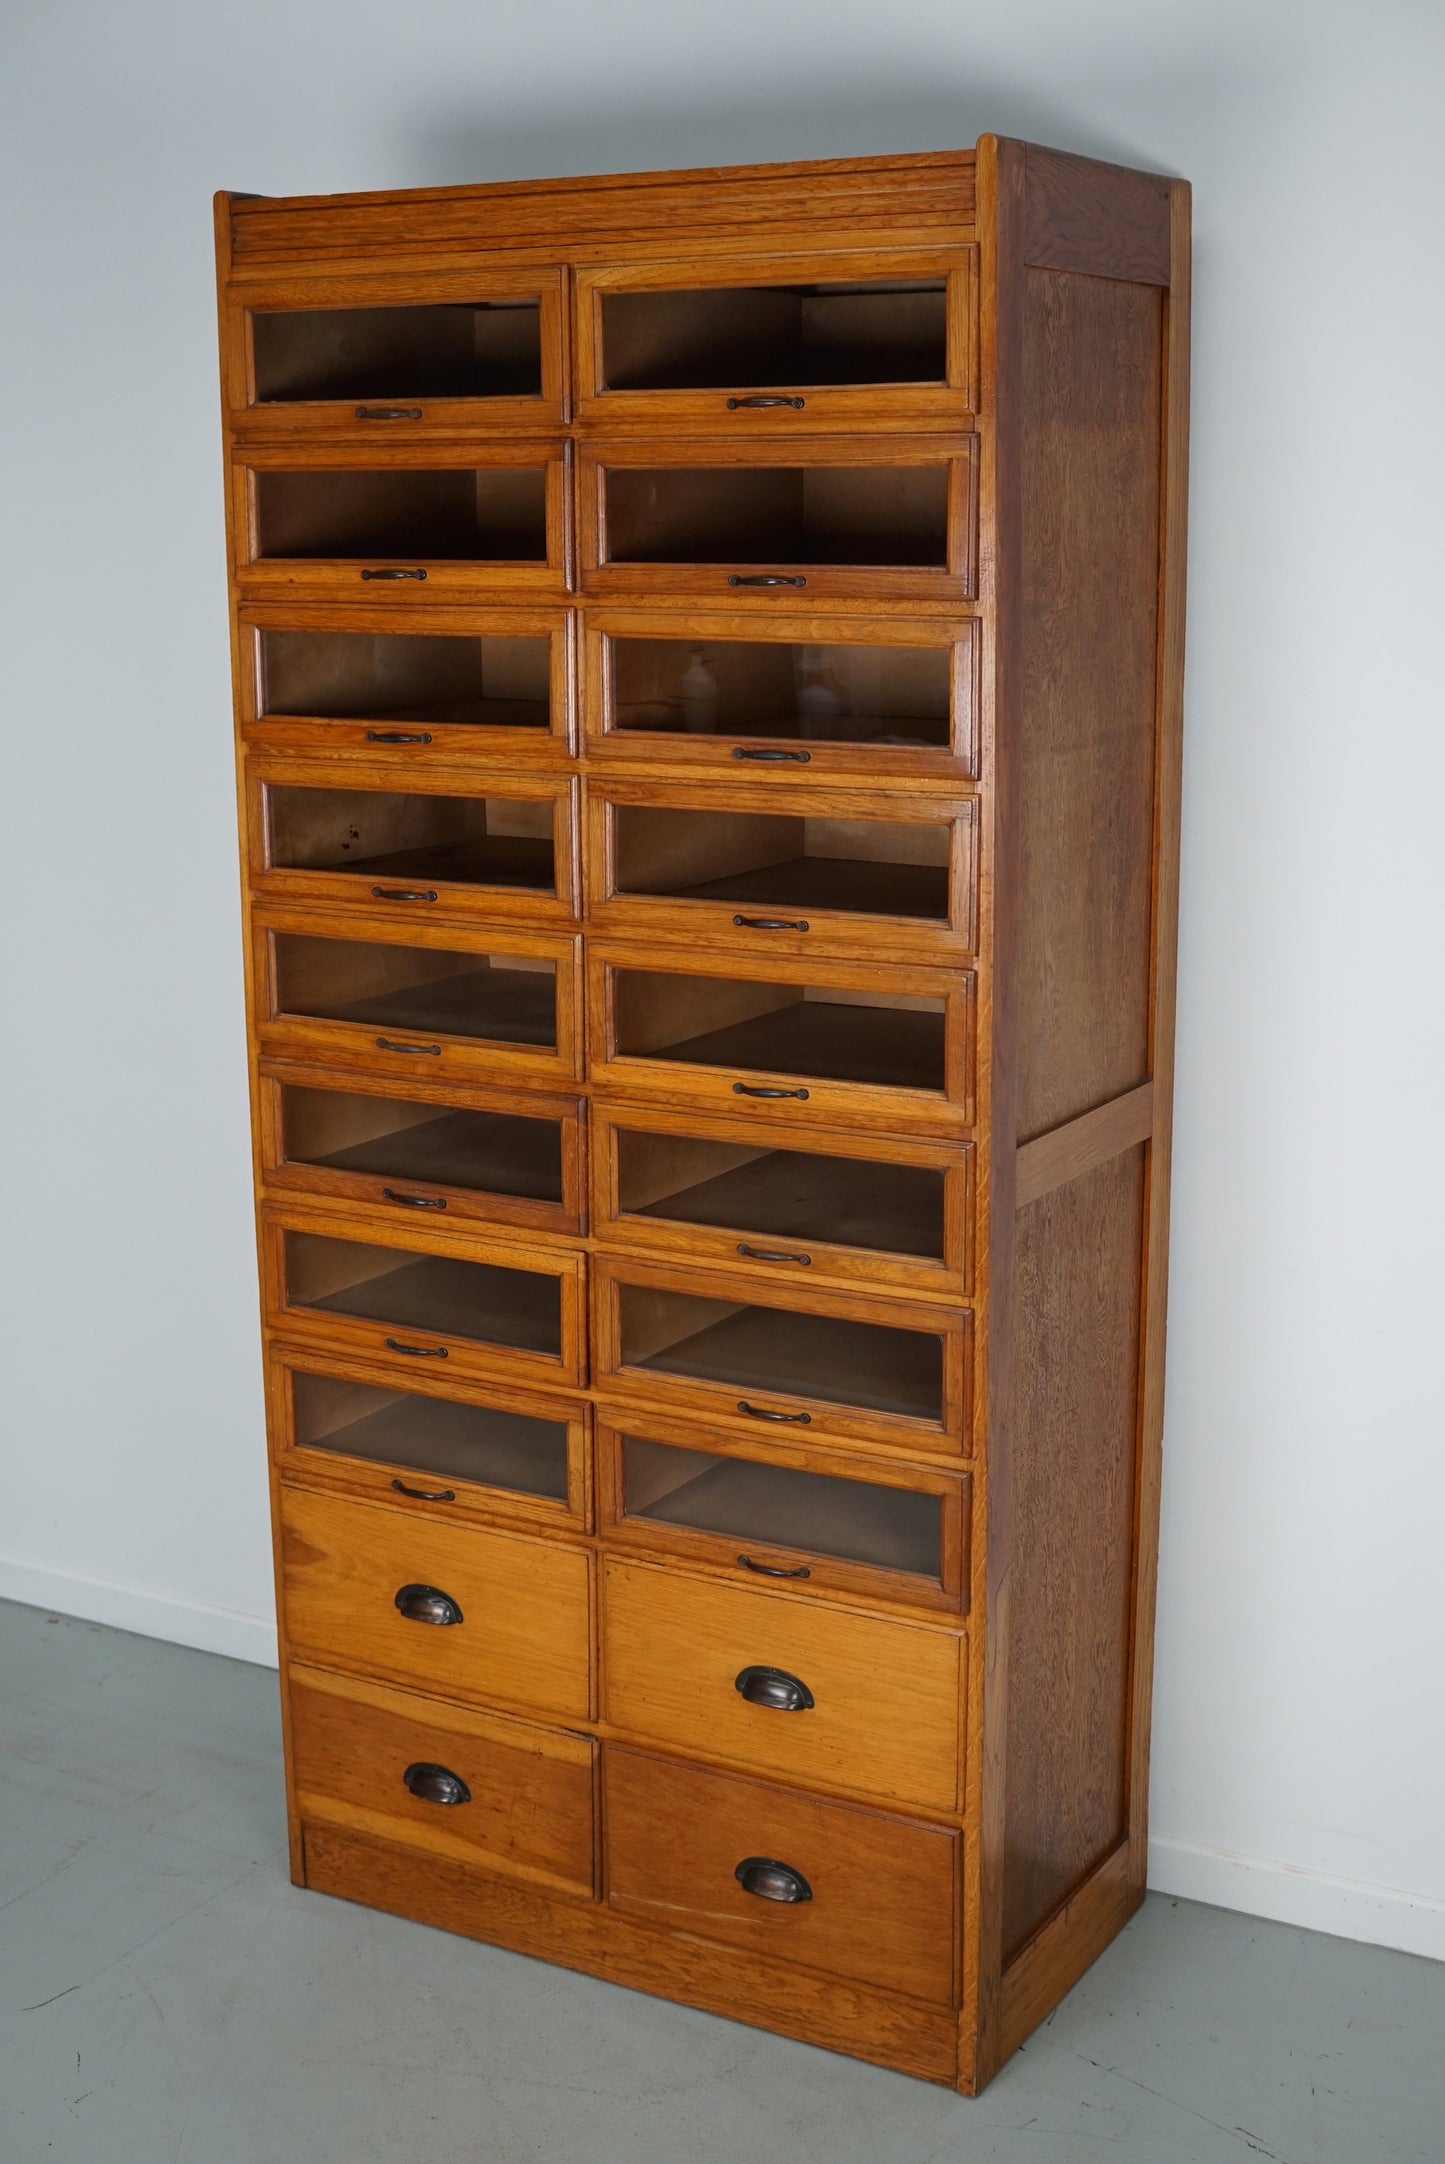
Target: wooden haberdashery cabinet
{"x": 707, "y": 672}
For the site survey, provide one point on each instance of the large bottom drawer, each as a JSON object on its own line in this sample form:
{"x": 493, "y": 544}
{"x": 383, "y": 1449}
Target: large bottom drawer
{"x": 827, "y": 1886}
{"x": 477, "y": 1787}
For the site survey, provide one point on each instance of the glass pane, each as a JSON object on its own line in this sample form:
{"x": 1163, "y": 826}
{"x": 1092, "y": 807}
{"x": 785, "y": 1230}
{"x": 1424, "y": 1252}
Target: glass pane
{"x": 490, "y": 1152}
{"x": 870, "y": 331}
{"x": 821, "y": 1513}
{"x": 781, "y": 1194}
{"x": 393, "y": 676}
{"x": 882, "y": 695}
{"x": 892, "y": 1040}
{"x": 878, "y": 515}
{"x": 486, "y": 350}
{"x": 435, "y": 1436}
{"x": 870, "y": 867}
{"x": 429, "y": 1293}
{"x": 472, "y": 841}
{"x": 491, "y": 514}
{"x": 504, "y": 998}
{"x": 769, "y": 1349}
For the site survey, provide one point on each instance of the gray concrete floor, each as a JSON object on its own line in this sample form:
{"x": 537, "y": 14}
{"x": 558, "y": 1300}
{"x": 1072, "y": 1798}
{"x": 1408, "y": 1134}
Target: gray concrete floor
{"x": 167, "y": 1997}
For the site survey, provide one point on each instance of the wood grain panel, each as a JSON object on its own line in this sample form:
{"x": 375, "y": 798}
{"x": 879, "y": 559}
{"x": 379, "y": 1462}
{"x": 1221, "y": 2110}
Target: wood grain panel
{"x": 1090, "y": 480}
{"x": 1075, "y": 1402}
{"x": 1104, "y": 220}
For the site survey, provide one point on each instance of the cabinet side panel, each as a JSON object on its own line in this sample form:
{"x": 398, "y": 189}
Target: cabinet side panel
{"x": 1091, "y": 370}
{"x": 1074, "y": 1412}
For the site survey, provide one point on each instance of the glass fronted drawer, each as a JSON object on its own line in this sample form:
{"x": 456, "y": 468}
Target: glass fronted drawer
{"x": 388, "y": 997}
{"x": 419, "y": 1298}
{"x": 777, "y": 1362}
{"x": 863, "y": 697}
{"x": 315, "y": 518}
{"x": 784, "y": 1206}
{"x": 453, "y": 845}
{"x": 834, "y": 518}
{"x": 784, "y": 865}
{"x": 795, "y": 1518}
{"x": 495, "y": 1156}
{"x": 780, "y": 344}
{"x": 459, "y": 684}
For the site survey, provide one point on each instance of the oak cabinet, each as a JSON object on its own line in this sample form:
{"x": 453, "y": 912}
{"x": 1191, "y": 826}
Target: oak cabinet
{"x": 708, "y": 652}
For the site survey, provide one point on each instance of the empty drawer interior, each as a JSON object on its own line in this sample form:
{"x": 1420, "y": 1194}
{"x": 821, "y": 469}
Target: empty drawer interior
{"x": 739, "y": 337}
{"x": 856, "y": 1521}
{"x": 397, "y": 677}
{"x": 791, "y": 1195}
{"x": 395, "y": 1138}
{"x": 883, "y": 695}
{"x": 876, "y": 867}
{"x": 889, "y": 1039}
{"x": 475, "y": 841}
{"x": 865, "y": 515}
{"x": 439, "y": 1437}
{"x": 490, "y": 514}
{"x": 488, "y": 349}
{"x": 872, "y": 1366}
{"x": 434, "y": 1294}
{"x": 507, "y": 999}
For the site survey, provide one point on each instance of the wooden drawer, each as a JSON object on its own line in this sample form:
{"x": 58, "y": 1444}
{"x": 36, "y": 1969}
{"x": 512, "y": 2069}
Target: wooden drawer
{"x": 881, "y": 1214}
{"x": 765, "y": 866}
{"x": 480, "y": 1788}
{"x": 821, "y": 1885}
{"x": 437, "y": 1150}
{"x": 809, "y": 1522}
{"x": 837, "y": 518}
{"x": 876, "y": 698}
{"x": 382, "y": 524}
{"x": 832, "y": 1044}
{"x": 439, "y": 686}
{"x": 452, "y": 845}
{"x": 415, "y": 1299}
{"x": 438, "y": 1000}
{"x": 428, "y": 1443}
{"x": 792, "y": 1364}
{"x": 521, "y": 1637}
{"x": 781, "y": 344}
{"x": 887, "y": 1712}
{"x": 368, "y": 357}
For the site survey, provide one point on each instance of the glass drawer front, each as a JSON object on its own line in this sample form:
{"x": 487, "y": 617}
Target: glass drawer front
{"x": 422, "y": 1144}
{"x": 485, "y": 349}
{"x": 505, "y": 999}
{"x": 440, "y": 1439}
{"x": 841, "y": 515}
{"x": 879, "y": 331}
{"x": 436, "y": 1295}
{"x": 887, "y": 1041}
{"x": 406, "y": 836}
{"x": 403, "y": 682}
{"x": 890, "y": 697}
{"x": 491, "y": 514}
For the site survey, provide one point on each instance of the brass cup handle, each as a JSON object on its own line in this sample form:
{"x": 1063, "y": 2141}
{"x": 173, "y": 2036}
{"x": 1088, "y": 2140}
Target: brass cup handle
{"x": 438, "y": 1784}
{"x": 427, "y": 1604}
{"x": 773, "y": 1688}
{"x": 737, "y": 405}
{"x": 771, "y": 1880}
{"x": 764, "y": 578}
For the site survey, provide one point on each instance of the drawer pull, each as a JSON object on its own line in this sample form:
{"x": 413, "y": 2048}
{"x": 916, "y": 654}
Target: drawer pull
{"x": 756, "y": 1089}
{"x": 398, "y": 736}
{"x": 767, "y": 1254}
{"x": 765, "y": 924}
{"x": 417, "y": 1352}
{"x": 764, "y": 1570}
{"x": 388, "y": 413}
{"x": 389, "y": 1044}
{"x": 394, "y": 575}
{"x": 428, "y": 1604}
{"x": 404, "y": 894}
{"x": 771, "y": 1687}
{"x": 438, "y": 1784}
{"x": 772, "y": 1881}
{"x": 736, "y": 405}
{"x": 757, "y": 578}
{"x": 426, "y": 1495}
{"x": 761, "y": 1412}
{"x": 415, "y": 1202}
{"x": 744, "y": 751}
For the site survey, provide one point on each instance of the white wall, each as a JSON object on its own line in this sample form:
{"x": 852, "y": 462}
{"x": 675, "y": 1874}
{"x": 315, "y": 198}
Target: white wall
{"x": 1300, "y": 1753}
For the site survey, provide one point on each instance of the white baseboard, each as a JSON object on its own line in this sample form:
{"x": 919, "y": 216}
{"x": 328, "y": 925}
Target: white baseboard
{"x": 134, "y": 1608}
{"x": 1346, "y": 1908}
